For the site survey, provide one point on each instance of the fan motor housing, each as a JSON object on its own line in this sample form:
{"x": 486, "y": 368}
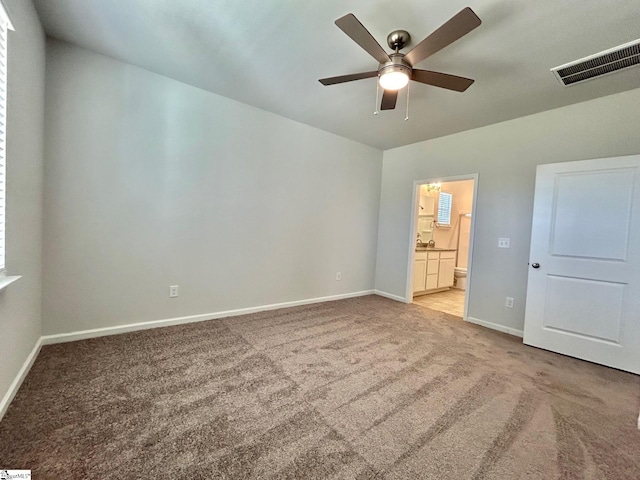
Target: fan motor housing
{"x": 397, "y": 64}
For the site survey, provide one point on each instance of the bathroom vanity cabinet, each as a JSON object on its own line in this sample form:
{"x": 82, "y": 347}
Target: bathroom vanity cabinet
{"x": 433, "y": 270}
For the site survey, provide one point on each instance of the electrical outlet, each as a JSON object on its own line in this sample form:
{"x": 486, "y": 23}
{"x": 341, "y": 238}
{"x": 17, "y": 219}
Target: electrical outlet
{"x": 173, "y": 291}
{"x": 508, "y": 302}
{"x": 504, "y": 242}
{"x": 338, "y": 275}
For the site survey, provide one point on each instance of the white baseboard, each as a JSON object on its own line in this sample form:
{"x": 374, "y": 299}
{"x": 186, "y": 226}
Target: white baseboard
{"x": 390, "y": 295}
{"x": 496, "y": 326}
{"x": 132, "y": 327}
{"x": 101, "y": 332}
{"x": 15, "y": 385}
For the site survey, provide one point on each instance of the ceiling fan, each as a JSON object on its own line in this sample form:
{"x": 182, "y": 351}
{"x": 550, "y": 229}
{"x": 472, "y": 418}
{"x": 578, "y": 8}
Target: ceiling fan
{"x": 396, "y": 69}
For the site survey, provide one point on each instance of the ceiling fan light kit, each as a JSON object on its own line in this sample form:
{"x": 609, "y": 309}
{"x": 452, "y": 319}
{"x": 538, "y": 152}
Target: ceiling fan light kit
{"x": 395, "y": 74}
{"x": 396, "y": 69}
{"x": 394, "y": 77}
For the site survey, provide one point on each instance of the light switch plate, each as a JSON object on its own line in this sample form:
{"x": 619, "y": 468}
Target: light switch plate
{"x": 504, "y": 242}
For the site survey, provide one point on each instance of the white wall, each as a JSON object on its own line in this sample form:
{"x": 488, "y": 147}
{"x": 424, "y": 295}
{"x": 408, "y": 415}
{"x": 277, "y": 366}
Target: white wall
{"x": 20, "y": 303}
{"x": 151, "y": 182}
{"x": 505, "y": 156}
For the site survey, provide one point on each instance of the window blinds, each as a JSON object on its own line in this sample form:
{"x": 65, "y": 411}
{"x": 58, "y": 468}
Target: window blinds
{"x": 444, "y": 208}
{"x": 5, "y": 26}
{"x": 3, "y": 136}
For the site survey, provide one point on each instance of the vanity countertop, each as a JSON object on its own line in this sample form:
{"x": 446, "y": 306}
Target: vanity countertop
{"x": 434, "y": 249}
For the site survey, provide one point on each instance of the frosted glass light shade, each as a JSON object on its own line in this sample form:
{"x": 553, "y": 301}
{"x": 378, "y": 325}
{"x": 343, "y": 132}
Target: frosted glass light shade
{"x": 394, "y": 80}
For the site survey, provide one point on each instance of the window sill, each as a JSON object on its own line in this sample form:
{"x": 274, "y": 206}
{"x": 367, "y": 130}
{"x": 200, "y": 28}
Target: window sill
{"x": 6, "y": 280}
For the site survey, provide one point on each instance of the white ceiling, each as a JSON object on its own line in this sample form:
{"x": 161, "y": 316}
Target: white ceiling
{"x": 271, "y": 53}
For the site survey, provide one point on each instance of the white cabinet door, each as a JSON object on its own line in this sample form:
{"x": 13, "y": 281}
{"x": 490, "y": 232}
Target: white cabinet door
{"x": 432, "y": 281}
{"x": 433, "y": 265}
{"x": 419, "y": 275}
{"x": 445, "y": 272}
{"x": 584, "y": 278}
{"x": 427, "y": 205}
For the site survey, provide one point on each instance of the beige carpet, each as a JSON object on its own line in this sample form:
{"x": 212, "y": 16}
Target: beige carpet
{"x": 356, "y": 389}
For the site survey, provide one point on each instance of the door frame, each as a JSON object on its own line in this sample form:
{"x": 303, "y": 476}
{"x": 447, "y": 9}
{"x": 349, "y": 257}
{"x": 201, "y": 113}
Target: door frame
{"x": 408, "y": 298}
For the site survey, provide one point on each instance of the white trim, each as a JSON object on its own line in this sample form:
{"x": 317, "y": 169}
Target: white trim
{"x": 6, "y": 280}
{"x": 414, "y": 226}
{"x": 4, "y": 34}
{"x": 496, "y": 326}
{"x": 5, "y": 17}
{"x": 408, "y": 293}
{"x": 132, "y": 327}
{"x": 472, "y": 239}
{"x": 397, "y": 298}
{"x": 15, "y": 385}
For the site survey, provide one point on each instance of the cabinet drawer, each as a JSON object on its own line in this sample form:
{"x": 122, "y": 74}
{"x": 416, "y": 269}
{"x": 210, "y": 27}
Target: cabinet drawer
{"x": 421, "y": 256}
{"x": 433, "y": 255}
{"x": 447, "y": 254}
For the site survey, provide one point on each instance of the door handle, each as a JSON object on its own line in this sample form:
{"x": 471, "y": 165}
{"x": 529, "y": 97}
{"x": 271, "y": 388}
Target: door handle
{"x": 535, "y": 265}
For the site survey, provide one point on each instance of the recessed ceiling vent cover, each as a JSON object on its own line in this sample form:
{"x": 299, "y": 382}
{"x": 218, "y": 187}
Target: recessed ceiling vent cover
{"x": 603, "y": 63}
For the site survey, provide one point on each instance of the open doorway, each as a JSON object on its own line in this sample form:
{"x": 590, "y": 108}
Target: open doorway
{"x": 442, "y": 244}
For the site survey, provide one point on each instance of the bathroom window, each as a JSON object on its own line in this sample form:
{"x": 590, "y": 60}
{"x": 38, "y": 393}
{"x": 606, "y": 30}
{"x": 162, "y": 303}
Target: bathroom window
{"x": 444, "y": 208}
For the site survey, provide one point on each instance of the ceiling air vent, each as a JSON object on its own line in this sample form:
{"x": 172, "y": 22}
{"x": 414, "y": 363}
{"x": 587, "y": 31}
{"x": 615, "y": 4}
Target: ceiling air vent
{"x": 603, "y": 63}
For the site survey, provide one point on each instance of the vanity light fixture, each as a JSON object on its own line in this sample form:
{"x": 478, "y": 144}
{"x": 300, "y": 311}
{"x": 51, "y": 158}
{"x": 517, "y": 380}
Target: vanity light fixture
{"x": 434, "y": 187}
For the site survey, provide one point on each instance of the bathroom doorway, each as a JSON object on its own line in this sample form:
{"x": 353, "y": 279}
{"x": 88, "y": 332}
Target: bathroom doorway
{"x": 442, "y": 240}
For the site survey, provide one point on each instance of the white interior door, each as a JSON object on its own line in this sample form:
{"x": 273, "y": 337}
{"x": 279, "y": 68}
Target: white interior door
{"x": 583, "y": 295}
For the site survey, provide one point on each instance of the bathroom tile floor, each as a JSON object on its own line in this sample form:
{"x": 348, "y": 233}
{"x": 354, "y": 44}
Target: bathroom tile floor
{"x": 450, "y": 301}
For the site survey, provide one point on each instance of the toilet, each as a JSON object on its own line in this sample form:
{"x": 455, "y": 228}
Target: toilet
{"x": 460, "y": 276}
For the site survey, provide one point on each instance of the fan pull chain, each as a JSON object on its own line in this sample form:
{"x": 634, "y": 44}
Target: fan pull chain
{"x": 407, "y": 114}
{"x": 375, "y": 111}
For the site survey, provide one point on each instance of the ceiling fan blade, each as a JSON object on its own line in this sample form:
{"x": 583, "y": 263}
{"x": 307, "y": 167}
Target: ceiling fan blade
{"x": 457, "y": 26}
{"x": 389, "y": 98}
{"x": 347, "y": 78}
{"x": 442, "y": 80}
{"x": 350, "y": 25}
